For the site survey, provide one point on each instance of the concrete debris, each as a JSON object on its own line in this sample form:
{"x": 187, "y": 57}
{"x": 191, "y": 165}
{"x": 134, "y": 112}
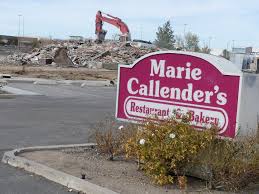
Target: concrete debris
{"x": 61, "y": 57}
{"x": 88, "y": 54}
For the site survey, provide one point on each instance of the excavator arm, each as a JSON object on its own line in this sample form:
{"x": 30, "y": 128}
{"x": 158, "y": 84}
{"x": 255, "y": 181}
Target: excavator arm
{"x": 117, "y": 22}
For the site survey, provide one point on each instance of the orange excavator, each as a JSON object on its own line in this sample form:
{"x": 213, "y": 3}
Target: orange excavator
{"x": 117, "y": 22}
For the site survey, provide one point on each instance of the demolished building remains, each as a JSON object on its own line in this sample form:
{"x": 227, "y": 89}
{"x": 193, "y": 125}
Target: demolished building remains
{"x": 83, "y": 54}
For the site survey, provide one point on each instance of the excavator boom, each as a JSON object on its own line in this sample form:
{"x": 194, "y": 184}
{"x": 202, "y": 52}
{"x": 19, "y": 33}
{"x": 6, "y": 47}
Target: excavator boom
{"x": 118, "y": 23}
{"x": 115, "y": 21}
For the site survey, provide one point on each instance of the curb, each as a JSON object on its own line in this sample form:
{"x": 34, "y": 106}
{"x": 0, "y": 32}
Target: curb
{"x": 82, "y": 83}
{"x": 7, "y": 96}
{"x": 72, "y": 182}
{"x": 40, "y": 81}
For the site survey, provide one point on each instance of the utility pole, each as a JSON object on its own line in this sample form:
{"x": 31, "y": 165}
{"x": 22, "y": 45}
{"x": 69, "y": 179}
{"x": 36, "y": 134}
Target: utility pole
{"x": 233, "y": 44}
{"x": 229, "y": 45}
{"x": 19, "y": 32}
{"x": 204, "y": 43}
{"x": 19, "y": 25}
{"x": 184, "y": 28}
{"x": 23, "y": 26}
{"x": 210, "y": 38}
{"x": 184, "y": 43}
{"x": 141, "y": 32}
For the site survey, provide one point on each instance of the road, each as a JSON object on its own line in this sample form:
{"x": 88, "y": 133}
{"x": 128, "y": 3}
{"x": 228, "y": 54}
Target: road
{"x": 62, "y": 115}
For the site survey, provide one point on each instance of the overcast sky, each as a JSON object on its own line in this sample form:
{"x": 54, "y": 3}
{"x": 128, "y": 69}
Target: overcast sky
{"x": 222, "y": 20}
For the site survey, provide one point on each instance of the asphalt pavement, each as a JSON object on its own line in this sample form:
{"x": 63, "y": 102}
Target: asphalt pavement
{"x": 62, "y": 114}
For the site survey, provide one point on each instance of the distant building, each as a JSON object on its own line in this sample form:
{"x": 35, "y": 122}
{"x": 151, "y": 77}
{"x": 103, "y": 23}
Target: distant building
{"x": 8, "y": 40}
{"x": 244, "y": 50}
{"x": 17, "y": 40}
{"x": 43, "y": 41}
{"x": 246, "y": 59}
{"x": 255, "y": 50}
{"x": 76, "y": 38}
{"x": 216, "y": 51}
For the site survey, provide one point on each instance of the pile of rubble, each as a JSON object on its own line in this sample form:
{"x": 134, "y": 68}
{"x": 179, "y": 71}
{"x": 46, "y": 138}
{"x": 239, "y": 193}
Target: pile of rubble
{"x": 87, "y": 54}
{"x": 35, "y": 57}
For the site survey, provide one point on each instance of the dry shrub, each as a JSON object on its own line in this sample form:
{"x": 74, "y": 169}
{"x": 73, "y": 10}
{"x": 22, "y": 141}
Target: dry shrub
{"x": 165, "y": 148}
{"x": 234, "y": 164}
{"x": 110, "y": 137}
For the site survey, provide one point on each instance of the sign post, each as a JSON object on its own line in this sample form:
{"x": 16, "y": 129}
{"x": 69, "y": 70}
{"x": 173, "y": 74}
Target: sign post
{"x": 164, "y": 83}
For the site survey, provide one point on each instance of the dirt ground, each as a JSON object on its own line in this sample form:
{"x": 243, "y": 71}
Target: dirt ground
{"x": 119, "y": 175}
{"x": 59, "y": 73}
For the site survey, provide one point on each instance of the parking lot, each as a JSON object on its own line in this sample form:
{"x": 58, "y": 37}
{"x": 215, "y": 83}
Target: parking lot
{"x": 61, "y": 114}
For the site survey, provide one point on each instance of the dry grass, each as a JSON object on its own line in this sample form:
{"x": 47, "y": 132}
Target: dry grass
{"x": 110, "y": 137}
{"x": 59, "y": 73}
